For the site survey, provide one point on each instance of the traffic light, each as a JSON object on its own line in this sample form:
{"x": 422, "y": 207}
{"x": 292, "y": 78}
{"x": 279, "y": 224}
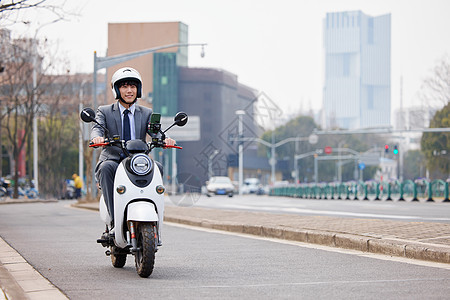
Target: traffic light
{"x": 386, "y": 148}
{"x": 395, "y": 151}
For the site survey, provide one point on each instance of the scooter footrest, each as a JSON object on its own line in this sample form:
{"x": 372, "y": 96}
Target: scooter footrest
{"x": 102, "y": 241}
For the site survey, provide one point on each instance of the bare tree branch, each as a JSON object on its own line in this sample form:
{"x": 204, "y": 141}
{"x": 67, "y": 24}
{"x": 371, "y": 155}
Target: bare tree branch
{"x": 9, "y": 10}
{"x": 21, "y": 4}
{"x": 435, "y": 90}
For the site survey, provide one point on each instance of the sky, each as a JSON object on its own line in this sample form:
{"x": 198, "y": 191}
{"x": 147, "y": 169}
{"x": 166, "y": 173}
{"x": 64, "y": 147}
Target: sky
{"x": 275, "y": 47}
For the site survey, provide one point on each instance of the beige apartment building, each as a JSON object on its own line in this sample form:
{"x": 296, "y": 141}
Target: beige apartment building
{"x": 131, "y": 37}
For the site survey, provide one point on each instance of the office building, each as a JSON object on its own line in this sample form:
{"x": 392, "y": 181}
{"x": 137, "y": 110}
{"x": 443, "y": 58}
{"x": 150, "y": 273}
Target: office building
{"x": 131, "y": 37}
{"x": 357, "y": 84}
{"x": 169, "y": 86}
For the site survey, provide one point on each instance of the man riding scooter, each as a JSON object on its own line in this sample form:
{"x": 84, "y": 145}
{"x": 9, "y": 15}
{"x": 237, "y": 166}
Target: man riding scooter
{"x": 124, "y": 118}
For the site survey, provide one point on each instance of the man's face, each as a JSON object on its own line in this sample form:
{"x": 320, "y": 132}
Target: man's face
{"x": 128, "y": 91}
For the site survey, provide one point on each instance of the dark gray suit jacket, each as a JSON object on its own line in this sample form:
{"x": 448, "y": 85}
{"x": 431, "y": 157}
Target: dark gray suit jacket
{"x": 109, "y": 116}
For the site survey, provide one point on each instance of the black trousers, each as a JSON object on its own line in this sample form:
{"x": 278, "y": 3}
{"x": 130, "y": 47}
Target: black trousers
{"x": 105, "y": 175}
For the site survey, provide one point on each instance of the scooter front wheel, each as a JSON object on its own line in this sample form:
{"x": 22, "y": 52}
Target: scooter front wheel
{"x": 146, "y": 244}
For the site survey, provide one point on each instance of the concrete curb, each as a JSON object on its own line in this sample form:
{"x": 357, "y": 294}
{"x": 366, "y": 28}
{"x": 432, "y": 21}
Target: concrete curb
{"x": 19, "y": 280}
{"x": 25, "y": 200}
{"x": 384, "y": 246}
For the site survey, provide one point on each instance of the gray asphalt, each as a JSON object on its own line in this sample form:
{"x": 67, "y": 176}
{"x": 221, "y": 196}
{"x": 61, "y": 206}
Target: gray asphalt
{"x": 209, "y": 264}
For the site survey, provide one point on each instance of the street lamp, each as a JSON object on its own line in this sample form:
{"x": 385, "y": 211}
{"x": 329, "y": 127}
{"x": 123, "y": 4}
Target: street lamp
{"x": 80, "y": 134}
{"x": 240, "y": 113}
{"x": 210, "y": 158}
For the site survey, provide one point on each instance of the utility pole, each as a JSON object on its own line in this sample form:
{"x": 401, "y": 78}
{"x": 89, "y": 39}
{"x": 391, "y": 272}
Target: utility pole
{"x": 35, "y": 131}
{"x": 240, "y": 113}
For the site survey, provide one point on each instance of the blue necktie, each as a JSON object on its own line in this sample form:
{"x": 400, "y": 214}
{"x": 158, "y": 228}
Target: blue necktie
{"x": 126, "y": 126}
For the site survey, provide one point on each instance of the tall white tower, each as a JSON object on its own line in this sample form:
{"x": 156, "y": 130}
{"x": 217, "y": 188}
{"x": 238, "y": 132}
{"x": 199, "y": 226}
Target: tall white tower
{"x": 357, "y": 85}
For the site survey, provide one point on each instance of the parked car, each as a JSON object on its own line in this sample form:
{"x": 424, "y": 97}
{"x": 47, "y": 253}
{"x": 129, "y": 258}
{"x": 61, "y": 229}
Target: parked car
{"x": 219, "y": 185}
{"x": 252, "y": 186}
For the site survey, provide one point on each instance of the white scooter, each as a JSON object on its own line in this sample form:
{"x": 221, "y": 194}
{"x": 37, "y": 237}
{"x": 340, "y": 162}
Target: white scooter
{"x": 138, "y": 197}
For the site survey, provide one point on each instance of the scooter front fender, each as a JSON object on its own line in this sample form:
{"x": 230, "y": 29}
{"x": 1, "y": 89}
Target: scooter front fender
{"x": 142, "y": 211}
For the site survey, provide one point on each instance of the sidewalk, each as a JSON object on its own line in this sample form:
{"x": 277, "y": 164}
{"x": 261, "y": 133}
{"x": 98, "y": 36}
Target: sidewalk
{"x": 416, "y": 240}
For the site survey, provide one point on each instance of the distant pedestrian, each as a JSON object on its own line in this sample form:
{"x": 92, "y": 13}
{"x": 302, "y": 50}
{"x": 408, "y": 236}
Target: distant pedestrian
{"x": 78, "y": 185}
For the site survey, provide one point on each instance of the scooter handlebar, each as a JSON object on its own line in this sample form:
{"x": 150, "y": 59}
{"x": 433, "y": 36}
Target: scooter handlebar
{"x": 174, "y": 146}
{"x": 98, "y": 145}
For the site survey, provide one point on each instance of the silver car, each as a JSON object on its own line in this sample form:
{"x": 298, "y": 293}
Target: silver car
{"x": 219, "y": 185}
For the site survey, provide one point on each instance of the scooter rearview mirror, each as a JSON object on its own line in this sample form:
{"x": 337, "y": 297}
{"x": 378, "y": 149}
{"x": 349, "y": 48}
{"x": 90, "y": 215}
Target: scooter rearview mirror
{"x": 181, "y": 119}
{"x": 87, "y": 115}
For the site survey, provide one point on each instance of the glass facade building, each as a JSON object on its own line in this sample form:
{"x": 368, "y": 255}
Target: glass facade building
{"x": 165, "y": 75}
{"x": 357, "y": 85}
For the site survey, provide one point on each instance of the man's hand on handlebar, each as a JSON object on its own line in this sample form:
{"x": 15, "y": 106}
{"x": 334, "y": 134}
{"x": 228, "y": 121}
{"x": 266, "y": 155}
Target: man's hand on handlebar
{"x": 170, "y": 142}
{"x": 98, "y": 140}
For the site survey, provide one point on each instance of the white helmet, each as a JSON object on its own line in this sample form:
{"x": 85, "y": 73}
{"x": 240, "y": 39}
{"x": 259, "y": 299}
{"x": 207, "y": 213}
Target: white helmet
{"x": 122, "y": 75}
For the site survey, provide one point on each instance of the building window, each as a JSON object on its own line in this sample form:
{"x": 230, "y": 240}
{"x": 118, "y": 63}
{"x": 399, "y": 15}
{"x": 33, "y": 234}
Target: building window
{"x": 207, "y": 97}
{"x": 346, "y": 64}
{"x": 370, "y": 97}
{"x": 370, "y": 32}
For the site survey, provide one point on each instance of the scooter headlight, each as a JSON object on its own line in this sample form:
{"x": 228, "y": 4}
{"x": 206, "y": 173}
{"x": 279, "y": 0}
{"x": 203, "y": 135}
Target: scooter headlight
{"x": 141, "y": 164}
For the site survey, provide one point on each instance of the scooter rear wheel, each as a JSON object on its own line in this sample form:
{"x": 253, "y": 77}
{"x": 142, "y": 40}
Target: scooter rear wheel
{"x": 118, "y": 259}
{"x": 146, "y": 243}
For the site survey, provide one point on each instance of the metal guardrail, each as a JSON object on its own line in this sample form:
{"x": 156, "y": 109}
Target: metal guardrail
{"x": 408, "y": 190}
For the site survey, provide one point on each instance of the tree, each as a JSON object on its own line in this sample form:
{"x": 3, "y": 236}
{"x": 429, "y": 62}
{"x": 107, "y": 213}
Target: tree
{"x": 28, "y": 93}
{"x": 414, "y": 165}
{"x": 435, "y": 90}
{"x": 7, "y": 6}
{"x": 20, "y": 100}
{"x": 59, "y": 129}
{"x": 10, "y": 8}
{"x": 435, "y": 93}
{"x": 303, "y": 126}
{"x": 436, "y": 145}
{"x": 58, "y": 150}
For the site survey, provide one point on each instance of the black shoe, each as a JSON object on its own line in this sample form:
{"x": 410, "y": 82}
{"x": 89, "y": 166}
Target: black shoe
{"x": 105, "y": 239}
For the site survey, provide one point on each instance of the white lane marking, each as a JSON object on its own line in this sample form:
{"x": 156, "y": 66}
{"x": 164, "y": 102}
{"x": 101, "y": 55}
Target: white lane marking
{"x": 328, "y": 212}
{"x": 321, "y": 247}
{"x": 343, "y": 282}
